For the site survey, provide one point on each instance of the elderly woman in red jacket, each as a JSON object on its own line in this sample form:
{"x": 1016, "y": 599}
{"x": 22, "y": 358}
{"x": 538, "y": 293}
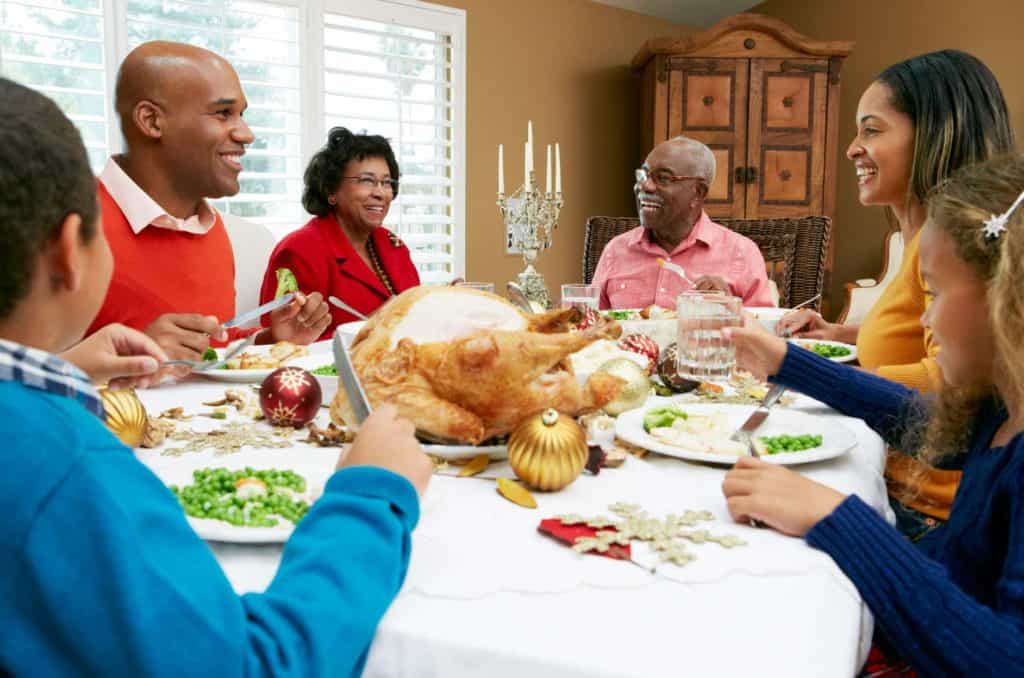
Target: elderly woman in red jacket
{"x": 344, "y": 250}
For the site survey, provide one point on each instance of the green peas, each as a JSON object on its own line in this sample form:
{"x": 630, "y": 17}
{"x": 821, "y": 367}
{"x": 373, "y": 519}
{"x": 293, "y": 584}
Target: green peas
{"x": 830, "y": 351}
{"x": 213, "y": 494}
{"x": 788, "y": 443}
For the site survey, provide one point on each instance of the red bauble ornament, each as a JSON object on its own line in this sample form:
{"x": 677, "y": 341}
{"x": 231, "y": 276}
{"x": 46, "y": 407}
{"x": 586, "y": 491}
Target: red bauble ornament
{"x": 645, "y": 346}
{"x": 290, "y": 396}
{"x": 590, "y": 317}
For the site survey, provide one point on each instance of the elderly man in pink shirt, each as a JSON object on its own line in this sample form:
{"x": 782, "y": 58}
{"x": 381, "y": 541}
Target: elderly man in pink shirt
{"x": 670, "y": 191}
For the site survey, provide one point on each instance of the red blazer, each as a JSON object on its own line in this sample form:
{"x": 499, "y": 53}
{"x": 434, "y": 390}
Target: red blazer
{"x": 324, "y": 261}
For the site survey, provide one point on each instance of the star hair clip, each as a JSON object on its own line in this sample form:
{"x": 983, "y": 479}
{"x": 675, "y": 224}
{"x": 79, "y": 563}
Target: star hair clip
{"x": 996, "y": 226}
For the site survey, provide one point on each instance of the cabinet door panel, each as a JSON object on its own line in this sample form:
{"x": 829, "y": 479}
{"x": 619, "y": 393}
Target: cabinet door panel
{"x": 788, "y": 104}
{"x": 707, "y": 101}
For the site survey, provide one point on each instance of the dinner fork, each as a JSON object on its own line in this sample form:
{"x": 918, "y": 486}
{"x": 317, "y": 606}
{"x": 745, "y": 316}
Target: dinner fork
{"x": 206, "y": 365}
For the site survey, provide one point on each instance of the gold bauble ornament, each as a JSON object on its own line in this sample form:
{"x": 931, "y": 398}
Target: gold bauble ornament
{"x": 634, "y": 392}
{"x": 126, "y": 415}
{"x": 548, "y": 450}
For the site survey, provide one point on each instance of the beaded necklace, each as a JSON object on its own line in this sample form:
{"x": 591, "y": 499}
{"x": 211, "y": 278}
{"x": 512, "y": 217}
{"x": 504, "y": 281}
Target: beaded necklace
{"x": 378, "y": 268}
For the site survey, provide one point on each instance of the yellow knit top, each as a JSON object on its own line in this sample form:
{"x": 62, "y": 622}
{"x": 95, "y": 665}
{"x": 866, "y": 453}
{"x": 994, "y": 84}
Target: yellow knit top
{"x": 891, "y": 341}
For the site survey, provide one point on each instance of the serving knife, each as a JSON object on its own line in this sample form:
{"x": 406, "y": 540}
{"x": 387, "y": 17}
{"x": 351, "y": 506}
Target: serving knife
{"x": 243, "y": 318}
{"x": 349, "y": 379}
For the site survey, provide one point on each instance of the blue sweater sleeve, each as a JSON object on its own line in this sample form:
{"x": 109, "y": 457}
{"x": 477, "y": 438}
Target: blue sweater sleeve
{"x": 117, "y": 583}
{"x": 936, "y": 626}
{"x": 882, "y": 404}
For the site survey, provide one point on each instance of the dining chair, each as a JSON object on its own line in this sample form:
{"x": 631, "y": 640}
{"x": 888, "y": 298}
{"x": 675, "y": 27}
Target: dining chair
{"x": 252, "y": 244}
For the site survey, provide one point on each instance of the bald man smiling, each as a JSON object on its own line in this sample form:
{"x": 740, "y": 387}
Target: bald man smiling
{"x": 181, "y": 112}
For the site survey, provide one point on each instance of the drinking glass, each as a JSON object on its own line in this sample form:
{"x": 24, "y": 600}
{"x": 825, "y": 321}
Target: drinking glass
{"x": 703, "y": 354}
{"x": 580, "y": 297}
{"x": 482, "y": 286}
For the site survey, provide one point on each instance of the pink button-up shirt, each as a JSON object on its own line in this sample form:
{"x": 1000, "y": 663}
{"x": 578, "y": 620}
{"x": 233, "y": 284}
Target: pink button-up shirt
{"x": 629, "y": 275}
{"x": 142, "y": 211}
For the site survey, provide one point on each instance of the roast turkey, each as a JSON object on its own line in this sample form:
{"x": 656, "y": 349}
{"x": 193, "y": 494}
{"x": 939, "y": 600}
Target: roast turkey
{"x": 466, "y": 365}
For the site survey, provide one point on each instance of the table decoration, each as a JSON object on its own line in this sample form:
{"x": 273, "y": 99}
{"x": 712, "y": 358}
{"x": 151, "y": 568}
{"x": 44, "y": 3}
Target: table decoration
{"x": 635, "y": 390}
{"x": 548, "y": 450}
{"x": 642, "y": 345}
{"x": 530, "y": 216}
{"x": 290, "y": 396}
{"x": 516, "y": 493}
{"x": 125, "y": 415}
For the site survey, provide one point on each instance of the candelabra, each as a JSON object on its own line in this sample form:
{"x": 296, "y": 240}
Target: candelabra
{"x": 531, "y": 216}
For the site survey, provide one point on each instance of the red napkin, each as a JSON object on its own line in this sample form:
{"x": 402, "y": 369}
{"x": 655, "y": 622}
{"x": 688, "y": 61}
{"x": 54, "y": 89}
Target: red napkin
{"x": 568, "y": 534}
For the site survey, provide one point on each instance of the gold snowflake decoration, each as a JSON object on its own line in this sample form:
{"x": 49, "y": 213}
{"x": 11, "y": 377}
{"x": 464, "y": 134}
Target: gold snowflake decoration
{"x": 282, "y": 414}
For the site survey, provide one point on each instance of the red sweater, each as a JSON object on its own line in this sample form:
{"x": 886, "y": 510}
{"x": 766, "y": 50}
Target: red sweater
{"x": 324, "y": 261}
{"x": 162, "y": 271}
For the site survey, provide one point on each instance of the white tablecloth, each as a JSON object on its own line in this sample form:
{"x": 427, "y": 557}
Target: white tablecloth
{"x": 486, "y": 594}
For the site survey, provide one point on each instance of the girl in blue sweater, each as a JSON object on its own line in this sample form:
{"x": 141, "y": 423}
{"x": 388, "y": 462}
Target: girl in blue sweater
{"x": 101, "y": 575}
{"x": 953, "y": 603}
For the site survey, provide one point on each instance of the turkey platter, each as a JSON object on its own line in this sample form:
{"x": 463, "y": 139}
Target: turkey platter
{"x": 466, "y": 365}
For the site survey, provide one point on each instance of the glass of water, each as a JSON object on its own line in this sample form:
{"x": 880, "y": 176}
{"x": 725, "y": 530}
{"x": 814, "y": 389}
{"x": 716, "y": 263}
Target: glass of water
{"x": 580, "y": 297}
{"x": 703, "y": 354}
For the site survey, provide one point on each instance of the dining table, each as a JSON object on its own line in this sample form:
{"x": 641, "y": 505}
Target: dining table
{"x": 487, "y": 594}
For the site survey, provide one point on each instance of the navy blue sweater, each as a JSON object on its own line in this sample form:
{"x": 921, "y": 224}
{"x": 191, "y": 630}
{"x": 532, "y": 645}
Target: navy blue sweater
{"x": 952, "y": 604}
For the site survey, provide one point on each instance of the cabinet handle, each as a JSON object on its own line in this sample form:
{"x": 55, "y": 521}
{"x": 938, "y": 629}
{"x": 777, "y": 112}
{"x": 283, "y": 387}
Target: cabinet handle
{"x": 708, "y": 100}
{"x": 741, "y": 175}
{"x": 751, "y": 176}
{"x": 785, "y": 175}
{"x": 787, "y": 102}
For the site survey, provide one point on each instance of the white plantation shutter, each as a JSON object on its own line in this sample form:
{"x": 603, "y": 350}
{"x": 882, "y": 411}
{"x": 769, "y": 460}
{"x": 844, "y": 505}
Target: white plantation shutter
{"x": 261, "y": 40}
{"x": 390, "y": 69}
{"x": 58, "y": 47}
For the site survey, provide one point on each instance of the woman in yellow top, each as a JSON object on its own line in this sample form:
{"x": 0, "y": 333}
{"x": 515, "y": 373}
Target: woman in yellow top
{"x": 920, "y": 121}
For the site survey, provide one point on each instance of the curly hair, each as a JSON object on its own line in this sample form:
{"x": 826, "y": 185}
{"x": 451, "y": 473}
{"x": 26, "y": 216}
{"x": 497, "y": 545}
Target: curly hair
{"x": 44, "y": 178}
{"x": 327, "y": 167}
{"x": 958, "y": 112}
{"x": 959, "y": 208}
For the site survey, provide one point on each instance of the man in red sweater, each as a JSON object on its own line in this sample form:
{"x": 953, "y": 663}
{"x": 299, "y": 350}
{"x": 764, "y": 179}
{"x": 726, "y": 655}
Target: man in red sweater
{"x": 181, "y": 113}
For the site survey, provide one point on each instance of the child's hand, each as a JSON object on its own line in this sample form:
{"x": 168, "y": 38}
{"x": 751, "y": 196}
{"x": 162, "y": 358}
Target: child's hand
{"x": 119, "y": 355}
{"x": 758, "y": 351}
{"x": 388, "y": 441}
{"x": 781, "y": 498}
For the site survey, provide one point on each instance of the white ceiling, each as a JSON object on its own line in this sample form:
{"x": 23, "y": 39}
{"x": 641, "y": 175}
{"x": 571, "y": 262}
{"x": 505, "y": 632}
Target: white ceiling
{"x": 697, "y": 13}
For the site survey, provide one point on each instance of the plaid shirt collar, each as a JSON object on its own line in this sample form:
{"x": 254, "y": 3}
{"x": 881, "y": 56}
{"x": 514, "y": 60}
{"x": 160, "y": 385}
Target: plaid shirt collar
{"x": 46, "y": 372}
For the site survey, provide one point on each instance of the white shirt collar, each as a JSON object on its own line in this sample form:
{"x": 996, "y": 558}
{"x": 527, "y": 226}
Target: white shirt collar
{"x": 142, "y": 211}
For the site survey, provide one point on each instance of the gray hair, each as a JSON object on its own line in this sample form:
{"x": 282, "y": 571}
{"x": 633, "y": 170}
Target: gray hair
{"x": 703, "y": 159}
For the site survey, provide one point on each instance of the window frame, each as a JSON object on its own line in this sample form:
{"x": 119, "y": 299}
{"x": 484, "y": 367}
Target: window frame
{"x": 416, "y": 13}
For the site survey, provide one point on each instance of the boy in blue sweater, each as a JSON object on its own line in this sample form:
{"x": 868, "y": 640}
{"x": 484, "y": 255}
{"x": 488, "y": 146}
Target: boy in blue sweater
{"x": 953, "y": 603}
{"x": 102, "y": 574}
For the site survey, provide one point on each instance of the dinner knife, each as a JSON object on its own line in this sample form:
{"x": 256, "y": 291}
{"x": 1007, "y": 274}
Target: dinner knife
{"x": 758, "y": 416}
{"x": 349, "y": 379}
{"x": 243, "y": 318}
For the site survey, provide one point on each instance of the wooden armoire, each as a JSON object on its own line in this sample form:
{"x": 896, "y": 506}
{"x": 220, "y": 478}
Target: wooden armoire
{"x": 765, "y": 99}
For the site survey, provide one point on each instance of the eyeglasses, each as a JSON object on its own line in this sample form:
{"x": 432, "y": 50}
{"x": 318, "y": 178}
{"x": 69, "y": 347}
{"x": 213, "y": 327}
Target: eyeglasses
{"x": 663, "y": 179}
{"x": 369, "y": 183}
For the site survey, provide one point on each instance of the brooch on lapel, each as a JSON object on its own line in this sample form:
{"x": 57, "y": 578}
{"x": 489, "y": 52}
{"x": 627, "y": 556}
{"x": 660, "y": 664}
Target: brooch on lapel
{"x": 395, "y": 240}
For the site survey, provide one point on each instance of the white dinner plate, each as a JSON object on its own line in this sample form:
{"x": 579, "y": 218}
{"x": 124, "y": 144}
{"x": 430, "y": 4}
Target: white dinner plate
{"x": 456, "y": 452}
{"x": 349, "y": 330}
{"x": 836, "y": 438}
{"x": 807, "y": 343}
{"x": 218, "y": 530}
{"x": 320, "y": 354}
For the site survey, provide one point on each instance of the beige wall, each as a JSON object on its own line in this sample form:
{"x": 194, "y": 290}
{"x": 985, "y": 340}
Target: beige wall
{"x": 888, "y": 31}
{"x": 563, "y": 64}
